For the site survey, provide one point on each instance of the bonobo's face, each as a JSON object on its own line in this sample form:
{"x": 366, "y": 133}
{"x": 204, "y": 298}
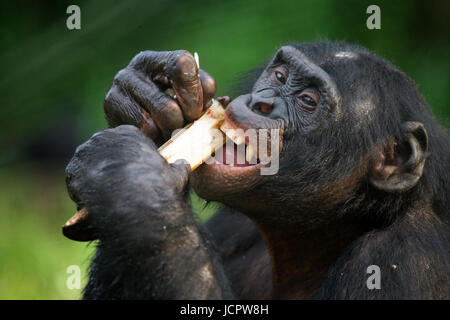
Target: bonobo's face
{"x": 298, "y": 104}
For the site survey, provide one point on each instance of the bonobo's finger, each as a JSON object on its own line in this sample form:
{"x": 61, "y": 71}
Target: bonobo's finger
{"x": 185, "y": 80}
{"x": 121, "y": 109}
{"x": 149, "y": 127}
{"x": 181, "y": 71}
{"x": 180, "y": 171}
{"x": 163, "y": 110}
{"x": 208, "y": 88}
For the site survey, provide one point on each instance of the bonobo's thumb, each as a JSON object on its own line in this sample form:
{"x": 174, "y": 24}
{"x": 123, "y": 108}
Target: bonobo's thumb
{"x": 180, "y": 172}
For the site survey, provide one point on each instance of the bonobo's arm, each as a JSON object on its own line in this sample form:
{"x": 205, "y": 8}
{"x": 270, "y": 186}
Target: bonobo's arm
{"x": 150, "y": 246}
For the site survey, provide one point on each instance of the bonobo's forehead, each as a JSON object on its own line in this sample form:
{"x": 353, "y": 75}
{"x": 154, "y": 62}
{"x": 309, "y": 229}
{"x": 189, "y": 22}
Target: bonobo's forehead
{"x": 321, "y": 53}
{"x": 347, "y": 65}
{"x": 340, "y": 64}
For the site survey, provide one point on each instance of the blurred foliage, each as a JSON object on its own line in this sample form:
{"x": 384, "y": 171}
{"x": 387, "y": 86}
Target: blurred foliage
{"x": 34, "y": 255}
{"x": 54, "y": 81}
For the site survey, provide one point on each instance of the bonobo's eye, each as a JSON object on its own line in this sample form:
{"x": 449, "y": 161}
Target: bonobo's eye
{"x": 281, "y": 76}
{"x": 309, "y": 99}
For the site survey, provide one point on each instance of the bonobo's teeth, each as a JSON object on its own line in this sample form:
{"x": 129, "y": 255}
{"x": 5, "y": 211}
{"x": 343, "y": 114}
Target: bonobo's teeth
{"x": 250, "y": 155}
{"x": 236, "y": 135}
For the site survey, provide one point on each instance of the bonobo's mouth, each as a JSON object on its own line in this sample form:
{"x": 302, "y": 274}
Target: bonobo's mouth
{"x": 233, "y": 159}
{"x": 243, "y": 149}
{"x": 237, "y": 166}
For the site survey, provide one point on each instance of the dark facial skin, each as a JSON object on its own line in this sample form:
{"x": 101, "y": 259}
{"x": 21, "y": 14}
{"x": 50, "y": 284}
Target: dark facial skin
{"x": 362, "y": 180}
{"x": 292, "y": 94}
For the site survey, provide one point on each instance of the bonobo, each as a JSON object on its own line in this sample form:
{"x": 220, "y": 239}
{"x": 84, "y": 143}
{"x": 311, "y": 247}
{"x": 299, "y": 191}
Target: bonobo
{"x": 363, "y": 181}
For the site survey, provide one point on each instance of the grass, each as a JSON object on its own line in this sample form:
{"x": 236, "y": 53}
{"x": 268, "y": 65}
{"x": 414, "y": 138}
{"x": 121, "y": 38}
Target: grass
{"x": 34, "y": 255}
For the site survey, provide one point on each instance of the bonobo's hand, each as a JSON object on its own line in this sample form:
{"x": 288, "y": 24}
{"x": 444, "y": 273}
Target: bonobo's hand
{"x": 137, "y": 96}
{"x": 119, "y": 177}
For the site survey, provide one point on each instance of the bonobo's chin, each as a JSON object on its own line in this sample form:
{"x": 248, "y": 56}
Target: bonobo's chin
{"x": 219, "y": 181}
{"x": 241, "y": 188}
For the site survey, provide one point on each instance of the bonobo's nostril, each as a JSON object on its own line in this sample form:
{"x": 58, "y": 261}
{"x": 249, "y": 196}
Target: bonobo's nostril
{"x": 262, "y": 107}
{"x": 267, "y": 93}
{"x": 263, "y": 101}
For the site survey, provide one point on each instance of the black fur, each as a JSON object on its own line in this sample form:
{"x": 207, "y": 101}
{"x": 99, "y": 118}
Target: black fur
{"x": 322, "y": 200}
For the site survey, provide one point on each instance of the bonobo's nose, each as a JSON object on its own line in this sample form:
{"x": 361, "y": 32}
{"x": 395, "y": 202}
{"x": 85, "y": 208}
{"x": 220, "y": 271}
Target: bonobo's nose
{"x": 257, "y": 109}
{"x": 264, "y": 101}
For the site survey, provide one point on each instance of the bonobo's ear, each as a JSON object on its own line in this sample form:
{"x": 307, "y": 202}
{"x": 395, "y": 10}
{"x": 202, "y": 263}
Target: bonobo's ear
{"x": 399, "y": 166}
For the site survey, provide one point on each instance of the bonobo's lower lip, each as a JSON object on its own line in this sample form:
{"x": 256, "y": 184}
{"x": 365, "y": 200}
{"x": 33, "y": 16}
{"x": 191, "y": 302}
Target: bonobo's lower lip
{"x": 216, "y": 181}
{"x": 228, "y": 178}
{"x": 238, "y": 169}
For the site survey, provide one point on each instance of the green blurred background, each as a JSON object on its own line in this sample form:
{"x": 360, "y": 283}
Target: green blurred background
{"x": 54, "y": 81}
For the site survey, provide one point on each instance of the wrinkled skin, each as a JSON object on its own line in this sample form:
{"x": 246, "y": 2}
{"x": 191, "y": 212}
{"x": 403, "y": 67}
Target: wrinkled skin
{"x": 359, "y": 184}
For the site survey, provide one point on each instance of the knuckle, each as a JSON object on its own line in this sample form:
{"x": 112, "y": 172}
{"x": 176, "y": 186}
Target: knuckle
{"x": 126, "y": 129}
{"x": 121, "y": 77}
{"x": 139, "y": 60}
{"x": 170, "y": 107}
{"x": 80, "y": 151}
{"x": 70, "y": 175}
{"x": 72, "y": 180}
{"x": 110, "y": 97}
{"x": 171, "y": 116}
{"x": 110, "y": 102}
